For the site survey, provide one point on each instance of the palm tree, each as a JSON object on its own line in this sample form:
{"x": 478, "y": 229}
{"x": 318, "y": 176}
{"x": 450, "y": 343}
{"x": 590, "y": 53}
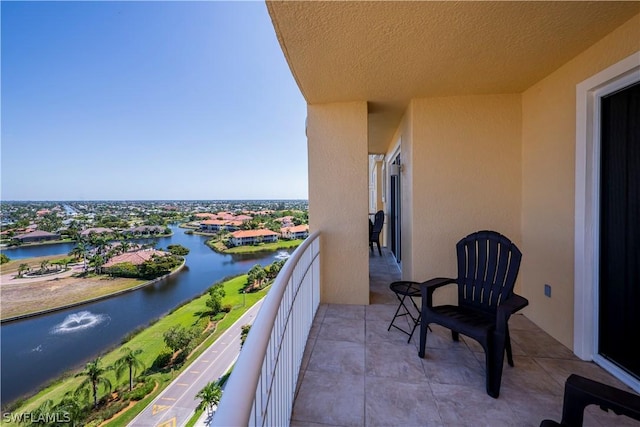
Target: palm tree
{"x": 97, "y": 261}
{"x": 70, "y": 409}
{"x": 44, "y": 265}
{"x": 22, "y": 268}
{"x": 124, "y": 246}
{"x": 80, "y": 250}
{"x": 100, "y": 243}
{"x": 94, "y": 374}
{"x": 129, "y": 362}
{"x": 209, "y": 396}
{"x": 43, "y": 410}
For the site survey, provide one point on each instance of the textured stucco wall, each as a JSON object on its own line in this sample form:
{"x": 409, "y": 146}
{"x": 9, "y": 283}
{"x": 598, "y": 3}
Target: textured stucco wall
{"x": 338, "y": 198}
{"x": 548, "y": 176}
{"x": 462, "y": 175}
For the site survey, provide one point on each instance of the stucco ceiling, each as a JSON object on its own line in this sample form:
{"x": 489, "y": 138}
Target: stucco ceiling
{"x": 387, "y": 53}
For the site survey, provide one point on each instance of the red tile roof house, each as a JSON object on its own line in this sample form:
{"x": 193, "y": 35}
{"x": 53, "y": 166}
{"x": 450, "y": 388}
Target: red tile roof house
{"x": 205, "y": 215}
{"x": 285, "y": 221}
{"x": 213, "y": 225}
{"x": 295, "y": 232}
{"x": 250, "y": 237}
{"x": 37, "y": 236}
{"x": 135, "y": 258}
{"x": 226, "y": 215}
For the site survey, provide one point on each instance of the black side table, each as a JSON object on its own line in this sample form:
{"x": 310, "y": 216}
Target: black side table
{"x": 406, "y": 289}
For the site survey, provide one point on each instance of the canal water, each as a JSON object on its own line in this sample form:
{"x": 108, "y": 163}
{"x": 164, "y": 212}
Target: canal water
{"x": 37, "y": 350}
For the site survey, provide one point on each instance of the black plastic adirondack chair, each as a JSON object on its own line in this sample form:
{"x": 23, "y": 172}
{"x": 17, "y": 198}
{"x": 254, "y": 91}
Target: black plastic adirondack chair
{"x": 580, "y": 392}
{"x": 374, "y": 232}
{"x": 488, "y": 265}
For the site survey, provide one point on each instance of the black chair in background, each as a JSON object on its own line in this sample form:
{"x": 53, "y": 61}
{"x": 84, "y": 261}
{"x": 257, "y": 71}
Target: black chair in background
{"x": 580, "y": 392}
{"x": 488, "y": 265}
{"x": 374, "y": 231}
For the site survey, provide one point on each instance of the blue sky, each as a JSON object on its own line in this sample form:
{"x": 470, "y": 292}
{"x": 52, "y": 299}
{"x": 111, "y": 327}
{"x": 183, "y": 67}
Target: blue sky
{"x": 148, "y": 100}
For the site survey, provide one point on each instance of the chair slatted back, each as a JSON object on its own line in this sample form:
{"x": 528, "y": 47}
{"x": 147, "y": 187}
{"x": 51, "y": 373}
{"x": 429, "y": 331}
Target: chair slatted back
{"x": 488, "y": 265}
{"x": 378, "y": 222}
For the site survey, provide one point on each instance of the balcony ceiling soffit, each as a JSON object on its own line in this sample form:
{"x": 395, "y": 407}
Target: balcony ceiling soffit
{"x": 387, "y": 53}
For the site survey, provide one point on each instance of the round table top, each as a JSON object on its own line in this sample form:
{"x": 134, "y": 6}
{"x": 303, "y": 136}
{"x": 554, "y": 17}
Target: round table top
{"x": 406, "y": 287}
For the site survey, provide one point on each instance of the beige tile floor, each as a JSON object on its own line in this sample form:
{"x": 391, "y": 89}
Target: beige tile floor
{"x": 356, "y": 373}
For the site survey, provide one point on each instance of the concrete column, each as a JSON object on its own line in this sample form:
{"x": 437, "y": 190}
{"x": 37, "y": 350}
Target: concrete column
{"x": 338, "y": 198}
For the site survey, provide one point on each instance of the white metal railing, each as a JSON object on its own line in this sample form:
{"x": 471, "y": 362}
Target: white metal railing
{"x": 270, "y": 360}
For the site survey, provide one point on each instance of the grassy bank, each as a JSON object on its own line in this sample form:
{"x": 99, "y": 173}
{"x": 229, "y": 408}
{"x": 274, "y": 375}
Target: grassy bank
{"x": 150, "y": 341}
{"x": 250, "y": 249}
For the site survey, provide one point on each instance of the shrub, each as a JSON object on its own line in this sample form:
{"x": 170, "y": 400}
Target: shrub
{"x": 141, "y": 390}
{"x": 218, "y": 316}
{"x": 112, "y": 409}
{"x": 124, "y": 269}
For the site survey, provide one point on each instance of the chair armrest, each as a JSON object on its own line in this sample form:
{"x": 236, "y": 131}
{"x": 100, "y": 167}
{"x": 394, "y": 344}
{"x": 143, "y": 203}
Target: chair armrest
{"x": 507, "y": 307}
{"x": 427, "y": 288}
{"x": 580, "y": 392}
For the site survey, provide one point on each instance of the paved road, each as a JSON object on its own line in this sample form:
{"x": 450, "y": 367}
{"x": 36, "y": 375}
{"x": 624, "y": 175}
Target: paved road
{"x": 177, "y": 403}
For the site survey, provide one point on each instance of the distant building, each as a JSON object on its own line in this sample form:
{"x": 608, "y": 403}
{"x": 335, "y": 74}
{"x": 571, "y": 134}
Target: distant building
{"x": 251, "y": 237}
{"x": 286, "y": 221}
{"x": 205, "y": 215}
{"x": 213, "y": 225}
{"x": 223, "y": 221}
{"x": 37, "y": 236}
{"x": 295, "y": 232}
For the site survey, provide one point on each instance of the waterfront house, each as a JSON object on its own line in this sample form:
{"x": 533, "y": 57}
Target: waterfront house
{"x": 215, "y": 225}
{"x": 480, "y": 115}
{"x": 135, "y": 258}
{"x": 212, "y": 225}
{"x": 252, "y": 237}
{"x": 37, "y": 236}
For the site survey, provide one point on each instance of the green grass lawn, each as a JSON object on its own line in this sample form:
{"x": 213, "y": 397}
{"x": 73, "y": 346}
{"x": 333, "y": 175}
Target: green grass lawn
{"x": 151, "y": 342}
{"x": 264, "y": 247}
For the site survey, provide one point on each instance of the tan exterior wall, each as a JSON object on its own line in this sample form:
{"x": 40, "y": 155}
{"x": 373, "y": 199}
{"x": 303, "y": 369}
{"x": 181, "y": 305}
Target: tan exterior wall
{"x": 464, "y": 176}
{"x": 338, "y": 198}
{"x": 405, "y": 136}
{"x": 548, "y": 177}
